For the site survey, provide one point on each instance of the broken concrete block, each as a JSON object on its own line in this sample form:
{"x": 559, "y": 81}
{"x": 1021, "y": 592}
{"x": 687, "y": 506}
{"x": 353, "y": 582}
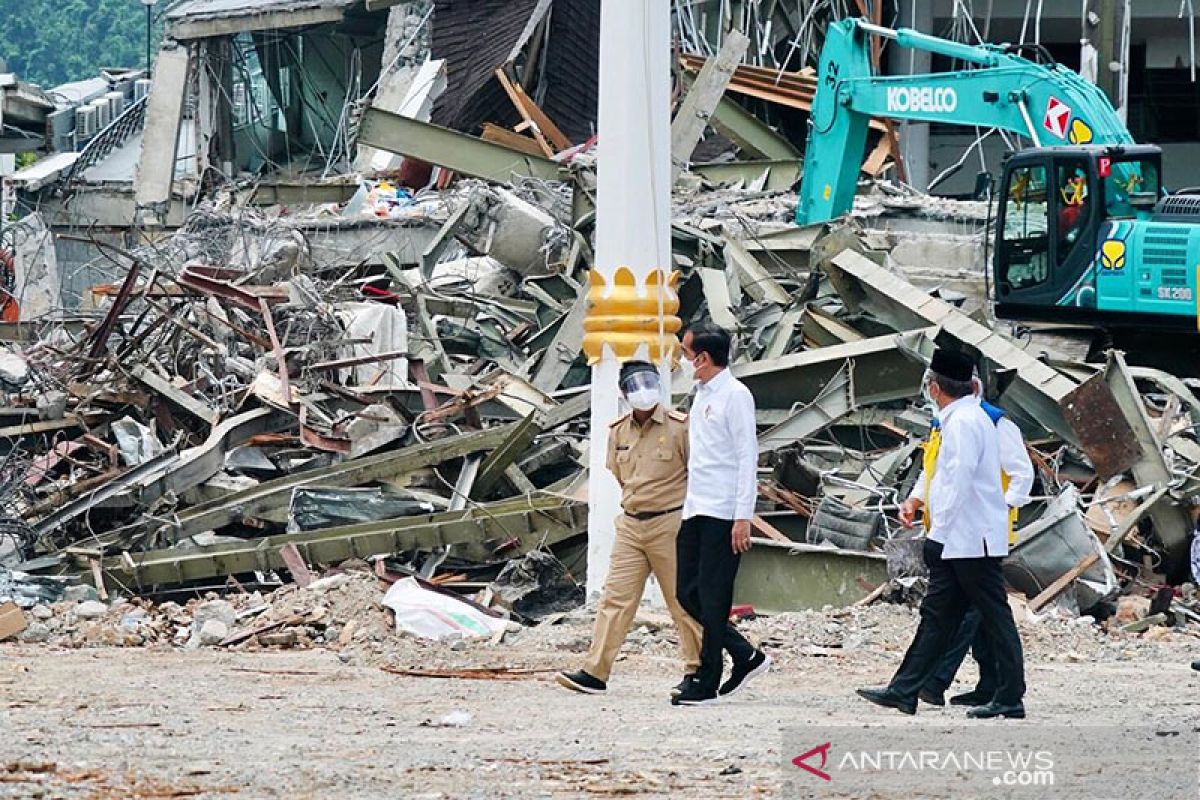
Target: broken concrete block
{"x": 36, "y": 633}
{"x": 90, "y": 609}
{"x": 213, "y": 632}
{"x": 483, "y": 275}
{"x": 213, "y": 609}
{"x": 1132, "y": 608}
{"x": 514, "y": 232}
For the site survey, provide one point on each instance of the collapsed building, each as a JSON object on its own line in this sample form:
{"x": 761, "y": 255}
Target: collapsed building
{"x": 319, "y": 303}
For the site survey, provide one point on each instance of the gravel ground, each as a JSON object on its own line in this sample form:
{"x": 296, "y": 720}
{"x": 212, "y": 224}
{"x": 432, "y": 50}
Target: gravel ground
{"x": 106, "y": 722}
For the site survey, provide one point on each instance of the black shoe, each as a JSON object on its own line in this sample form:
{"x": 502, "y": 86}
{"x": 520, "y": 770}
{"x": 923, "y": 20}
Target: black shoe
{"x": 889, "y": 699}
{"x": 1196, "y": 665}
{"x": 932, "y": 698}
{"x": 693, "y": 695}
{"x": 758, "y": 664}
{"x": 994, "y": 709}
{"x": 581, "y": 682}
{"x": 972, "y": 698}
{"x": 683, "y": 684}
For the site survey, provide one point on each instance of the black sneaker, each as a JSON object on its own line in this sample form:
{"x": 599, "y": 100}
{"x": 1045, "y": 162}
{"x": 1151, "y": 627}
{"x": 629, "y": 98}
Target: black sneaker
{"x": 693, "y": 695}
{"x": 758, "y": 664}
{"x": 1196, "y": 665}
{"x": 683, "y": 684}
{"x": 581, "y": 682}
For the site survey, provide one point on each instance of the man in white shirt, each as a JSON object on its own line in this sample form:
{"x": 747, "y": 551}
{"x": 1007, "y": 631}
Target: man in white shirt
{"x": 967, "y": 541}
{"x": 1017, "y": 481}
{"x": 721, "y": 493}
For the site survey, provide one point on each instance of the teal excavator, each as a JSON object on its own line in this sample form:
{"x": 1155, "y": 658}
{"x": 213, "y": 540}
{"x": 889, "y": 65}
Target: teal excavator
{"x": 1085, "y": 232}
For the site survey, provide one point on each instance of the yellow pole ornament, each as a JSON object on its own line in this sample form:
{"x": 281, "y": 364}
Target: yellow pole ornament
{"x": 625, "y": 316}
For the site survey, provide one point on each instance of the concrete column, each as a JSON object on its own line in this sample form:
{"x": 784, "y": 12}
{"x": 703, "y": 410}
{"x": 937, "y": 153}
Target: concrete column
{"x": 632, "y": 300}
{"x": 914, "y": 136}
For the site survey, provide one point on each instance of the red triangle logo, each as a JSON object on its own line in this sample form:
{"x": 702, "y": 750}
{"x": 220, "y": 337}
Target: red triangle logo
{"x": 823, "y": 750}
{"x": 1058, "y": 114}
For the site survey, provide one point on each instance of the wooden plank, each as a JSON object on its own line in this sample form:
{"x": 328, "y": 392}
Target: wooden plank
{"x": 1063, "y": 581}
{"x": 769, "y": 530}
{"x": 538, "y": 134}
{"x": 543, "y": 122}
{"x": 875, "y": 594}
{"x": 512, "y": 139}
{"x": 877, "y": 158}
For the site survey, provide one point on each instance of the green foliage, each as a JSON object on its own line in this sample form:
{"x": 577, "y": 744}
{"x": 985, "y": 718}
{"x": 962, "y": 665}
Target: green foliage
{"x": 26, "y": 160}
{"x": 49, "y": 42}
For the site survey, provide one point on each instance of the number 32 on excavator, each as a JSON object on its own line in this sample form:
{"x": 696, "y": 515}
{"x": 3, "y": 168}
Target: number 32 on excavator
{"x": 1085, "y": 232}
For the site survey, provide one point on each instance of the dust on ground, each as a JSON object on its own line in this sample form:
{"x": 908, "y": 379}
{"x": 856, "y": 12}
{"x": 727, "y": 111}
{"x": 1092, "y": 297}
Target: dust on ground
{"x": 327, "y": 720}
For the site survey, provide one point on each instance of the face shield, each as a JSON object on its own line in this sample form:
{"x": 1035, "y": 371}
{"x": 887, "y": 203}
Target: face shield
{"x": 642, "y": 389}
{"x": 926, "y": 394}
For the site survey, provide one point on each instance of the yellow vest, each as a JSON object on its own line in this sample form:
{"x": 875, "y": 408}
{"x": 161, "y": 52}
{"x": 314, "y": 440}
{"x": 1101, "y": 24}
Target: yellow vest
{"x": 929, "y": 464}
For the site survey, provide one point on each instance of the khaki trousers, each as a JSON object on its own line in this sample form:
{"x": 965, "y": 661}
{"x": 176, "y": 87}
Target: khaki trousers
{"x": 640, "y": 548}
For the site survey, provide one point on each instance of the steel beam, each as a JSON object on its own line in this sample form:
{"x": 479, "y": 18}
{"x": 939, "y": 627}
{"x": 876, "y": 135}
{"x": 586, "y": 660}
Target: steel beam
{"x": 176, "y": 396}
{"x": 1172, "y": 524}
{"x": 564, "y": 348}
{"x": 276, "y": 493}
{"x": 450, "y": 149}
{"x": 750, "y": 134}
{"x": 1036, "y": 389}
{"x": 781, "y": 337}
{"x": 445, "y": 235}
{"x": 781, "y": 175}
{"x": 126, "y": 480}
{"x": 882, "y": 372}
{"x": 754, "y": 278}
{"x": 702, "y": 98}
{"x": 497, "y": 461}
{"x": 476, "y": 534}
{"x": 835, "y": 401}
{"x": 776, "y": 578}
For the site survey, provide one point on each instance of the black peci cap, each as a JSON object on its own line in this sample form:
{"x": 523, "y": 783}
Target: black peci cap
{"x": 952, "y": 365}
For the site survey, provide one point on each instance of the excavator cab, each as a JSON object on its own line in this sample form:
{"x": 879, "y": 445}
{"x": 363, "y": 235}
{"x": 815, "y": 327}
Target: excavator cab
{"x": 1062, "y": 229}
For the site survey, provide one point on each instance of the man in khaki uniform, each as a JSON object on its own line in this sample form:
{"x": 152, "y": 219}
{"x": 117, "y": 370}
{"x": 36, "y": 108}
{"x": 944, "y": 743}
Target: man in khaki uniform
{"x": 648, "y": 454}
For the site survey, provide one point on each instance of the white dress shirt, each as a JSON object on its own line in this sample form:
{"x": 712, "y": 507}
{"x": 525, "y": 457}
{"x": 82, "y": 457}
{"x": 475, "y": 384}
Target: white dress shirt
{"x": 723, "y": 455}
{"x": 1014, "y": 460}
{"x": 969, "y": 516}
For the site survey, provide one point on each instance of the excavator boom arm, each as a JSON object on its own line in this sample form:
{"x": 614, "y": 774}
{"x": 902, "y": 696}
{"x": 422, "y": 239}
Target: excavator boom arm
{"x": 1048, "y": 104}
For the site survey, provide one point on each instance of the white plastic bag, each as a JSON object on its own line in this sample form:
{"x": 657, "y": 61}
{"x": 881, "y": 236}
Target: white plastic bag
{"x": 432, "y": 615}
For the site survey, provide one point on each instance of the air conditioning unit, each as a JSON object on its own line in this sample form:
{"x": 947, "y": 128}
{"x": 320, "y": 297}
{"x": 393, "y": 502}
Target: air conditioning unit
{"x": 116, "y": 103}
{"x": 141, "y": 88}
{"x": 85, "y": 124}
{"x": 103, "y": 114}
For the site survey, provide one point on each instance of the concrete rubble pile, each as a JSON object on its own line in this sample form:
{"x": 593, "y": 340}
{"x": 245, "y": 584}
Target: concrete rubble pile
{"x": 272, "y": 405}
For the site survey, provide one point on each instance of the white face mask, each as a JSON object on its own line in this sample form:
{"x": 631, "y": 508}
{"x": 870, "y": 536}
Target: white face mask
{"x": 643, "y": 399}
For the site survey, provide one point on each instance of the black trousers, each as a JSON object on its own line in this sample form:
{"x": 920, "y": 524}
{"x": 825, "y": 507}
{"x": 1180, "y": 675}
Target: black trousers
{"x": 954, "y": 586}
{"x": 705, "y": 570}
{"x": 970, "y": 636}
